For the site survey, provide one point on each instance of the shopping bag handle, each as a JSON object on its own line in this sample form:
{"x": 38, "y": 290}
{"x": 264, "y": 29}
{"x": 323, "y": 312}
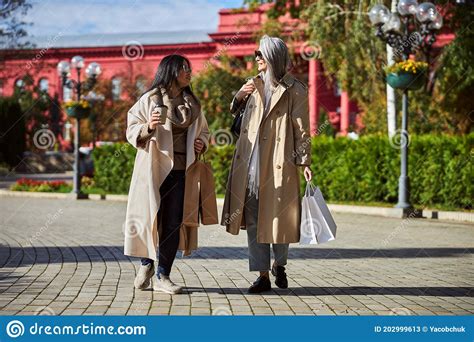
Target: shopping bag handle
{"x": 310, "y": 188}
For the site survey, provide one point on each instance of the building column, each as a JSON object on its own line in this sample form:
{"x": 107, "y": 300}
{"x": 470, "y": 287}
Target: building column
{"x": 313, "y": 96}
{"x": 344, "y": 113}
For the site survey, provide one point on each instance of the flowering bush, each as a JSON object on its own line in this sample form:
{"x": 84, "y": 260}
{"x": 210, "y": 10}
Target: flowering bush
{"x": 407, "y": 66}
{"x": 25, "y": 184}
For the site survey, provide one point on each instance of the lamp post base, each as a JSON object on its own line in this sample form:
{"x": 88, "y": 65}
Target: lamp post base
{"x": 78, "y": 195}
{"x": 404, "y": 193}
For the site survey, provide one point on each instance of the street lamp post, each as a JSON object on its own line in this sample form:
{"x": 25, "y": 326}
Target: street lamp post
{"x": 412, "y": 29}
{"x": 93, "y": 70}
{"x": 94, "y": 98}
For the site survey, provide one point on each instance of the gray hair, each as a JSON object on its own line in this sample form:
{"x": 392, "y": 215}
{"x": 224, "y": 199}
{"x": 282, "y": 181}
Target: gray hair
{"x": 275, "y": 53}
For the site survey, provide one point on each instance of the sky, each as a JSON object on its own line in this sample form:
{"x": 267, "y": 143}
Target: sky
{"x": 49, "y": 17}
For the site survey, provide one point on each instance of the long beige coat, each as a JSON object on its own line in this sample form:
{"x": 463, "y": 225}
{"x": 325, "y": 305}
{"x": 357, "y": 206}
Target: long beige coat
{"x": 284, "y": 144}
{"x": 153, "y": 162}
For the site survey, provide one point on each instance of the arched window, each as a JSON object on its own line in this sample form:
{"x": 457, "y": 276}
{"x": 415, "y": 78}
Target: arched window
{"x": 19, "y": 83}
{"x": 43, "y": 85}
{"x": 116, "y": 88}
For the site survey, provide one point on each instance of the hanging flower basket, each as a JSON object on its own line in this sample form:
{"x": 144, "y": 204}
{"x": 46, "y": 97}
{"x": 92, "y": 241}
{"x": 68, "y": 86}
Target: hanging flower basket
{"x": 406, "y": 80}
{"x": 408, "y": 75}
{"x": 77, "y": 109}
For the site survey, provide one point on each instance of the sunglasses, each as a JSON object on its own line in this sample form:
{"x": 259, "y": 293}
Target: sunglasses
{"x": 187, "y": 69}
{"x": 258, "y": 53}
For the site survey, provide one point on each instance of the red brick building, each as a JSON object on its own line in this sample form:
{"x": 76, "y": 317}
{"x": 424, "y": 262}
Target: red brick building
{"x": 140, "y": 54}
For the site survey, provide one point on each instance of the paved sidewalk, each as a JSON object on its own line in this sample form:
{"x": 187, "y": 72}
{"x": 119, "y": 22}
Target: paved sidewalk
{"x": 64, "y": 257}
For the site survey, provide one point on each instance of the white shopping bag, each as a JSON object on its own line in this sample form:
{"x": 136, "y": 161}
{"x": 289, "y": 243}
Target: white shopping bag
{"x": 317, "y": 225}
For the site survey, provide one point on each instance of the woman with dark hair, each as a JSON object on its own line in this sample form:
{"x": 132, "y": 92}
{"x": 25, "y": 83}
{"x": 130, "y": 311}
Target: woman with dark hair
{"x": 167, "y": 128}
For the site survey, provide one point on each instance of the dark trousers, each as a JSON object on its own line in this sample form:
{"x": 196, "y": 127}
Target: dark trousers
{"x": 171, "y": 215}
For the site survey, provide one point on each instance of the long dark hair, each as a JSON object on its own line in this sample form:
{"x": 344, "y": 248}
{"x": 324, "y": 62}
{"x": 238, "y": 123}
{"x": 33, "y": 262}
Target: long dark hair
{"x": 168, "y": 72}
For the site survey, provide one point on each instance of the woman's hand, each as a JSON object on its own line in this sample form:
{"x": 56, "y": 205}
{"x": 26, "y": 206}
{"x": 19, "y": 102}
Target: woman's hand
{"x": 154, "y": 120}
{"x": 198, "y": 145}
{"x": 308, "y": 175}
{"x": 246, "y": 89}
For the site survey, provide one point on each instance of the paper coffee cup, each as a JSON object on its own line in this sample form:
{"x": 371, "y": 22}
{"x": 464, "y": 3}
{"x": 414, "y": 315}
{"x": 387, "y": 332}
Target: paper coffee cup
{"x": 163, "y": 112}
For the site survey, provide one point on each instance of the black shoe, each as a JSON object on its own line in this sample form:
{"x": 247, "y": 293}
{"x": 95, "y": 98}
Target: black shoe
{"x": 279, "y": 273}
{"x": 260, "y": 285}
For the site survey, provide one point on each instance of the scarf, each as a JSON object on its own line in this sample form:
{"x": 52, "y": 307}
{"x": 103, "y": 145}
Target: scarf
{"x": 180, "y": 115}
{"x": 254, "y": 166}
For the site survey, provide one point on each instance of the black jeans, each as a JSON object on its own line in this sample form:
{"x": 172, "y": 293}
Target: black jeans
{"x": 171, "y": 215}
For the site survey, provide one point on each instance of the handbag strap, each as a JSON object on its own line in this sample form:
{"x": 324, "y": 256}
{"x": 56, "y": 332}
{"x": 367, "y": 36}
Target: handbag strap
{"x": 201, "y": 156}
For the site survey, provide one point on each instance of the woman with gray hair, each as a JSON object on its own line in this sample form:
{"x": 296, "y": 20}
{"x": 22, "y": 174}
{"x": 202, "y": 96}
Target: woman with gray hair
{"x": 262, "y": 194}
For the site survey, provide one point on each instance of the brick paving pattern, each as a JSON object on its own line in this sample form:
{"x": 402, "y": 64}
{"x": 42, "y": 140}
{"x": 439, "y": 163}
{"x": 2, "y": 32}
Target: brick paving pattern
{"x": 64, "y": 257}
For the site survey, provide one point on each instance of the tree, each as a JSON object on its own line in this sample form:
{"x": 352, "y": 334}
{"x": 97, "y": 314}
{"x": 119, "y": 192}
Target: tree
{"x": 216, "y": 85}
{"x": 12, "y": 29}
{"x": 34, "y": 104}
{"x": 110, "y": 115}
{"x": 353, "y": 56}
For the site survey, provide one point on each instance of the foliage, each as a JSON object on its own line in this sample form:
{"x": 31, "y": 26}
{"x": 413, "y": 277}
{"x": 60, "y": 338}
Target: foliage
{"x": 363, "y": 171}
{"x": 220, "y": 158}
{"x": 109, "y": 117}
{"x": 12, "y": 131}
{"x": 367, "y": 170}
{"x": 352, "y": 55}
{"x": 113, "y": 167}
{"x": 216, "y": 86}
{"x": 454, "y": 87}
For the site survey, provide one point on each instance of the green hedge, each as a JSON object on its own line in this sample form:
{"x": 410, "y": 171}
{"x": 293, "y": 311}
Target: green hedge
{"x": 113, "y": 167}
{"x": 364, "y": 170}
{"x": 367, "y": 170}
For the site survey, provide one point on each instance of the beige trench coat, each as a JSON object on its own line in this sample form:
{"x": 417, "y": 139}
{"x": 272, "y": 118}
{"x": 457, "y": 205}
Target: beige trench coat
{"x": 284, "y": 145}
{"x": 153, "y": 162}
